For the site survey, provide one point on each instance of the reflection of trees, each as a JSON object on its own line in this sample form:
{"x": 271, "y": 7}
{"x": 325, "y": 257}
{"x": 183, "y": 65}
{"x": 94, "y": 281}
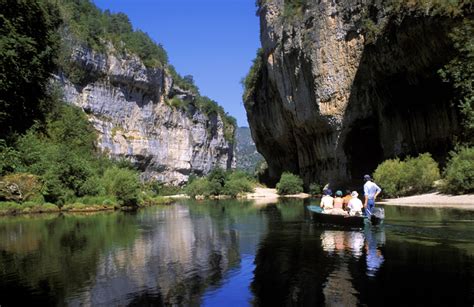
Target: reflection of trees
{"x": 53, "y": 256}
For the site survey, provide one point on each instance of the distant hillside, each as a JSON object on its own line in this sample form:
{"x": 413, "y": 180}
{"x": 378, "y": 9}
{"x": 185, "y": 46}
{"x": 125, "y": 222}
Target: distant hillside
{"x": 245, "y": 152}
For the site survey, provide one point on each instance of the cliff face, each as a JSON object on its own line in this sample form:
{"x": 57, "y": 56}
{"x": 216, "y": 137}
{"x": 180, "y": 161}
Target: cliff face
{"x": 127, "y": 104}
{"x": 343, "y": 85}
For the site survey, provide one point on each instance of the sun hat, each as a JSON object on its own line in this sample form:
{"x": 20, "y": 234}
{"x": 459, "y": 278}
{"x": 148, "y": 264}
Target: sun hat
{"x": 354, "y": 194}
{"x": 338, "y": 193}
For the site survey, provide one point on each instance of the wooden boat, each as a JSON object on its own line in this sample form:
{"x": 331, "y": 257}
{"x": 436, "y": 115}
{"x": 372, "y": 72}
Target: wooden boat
{"x": 345, "y": 220}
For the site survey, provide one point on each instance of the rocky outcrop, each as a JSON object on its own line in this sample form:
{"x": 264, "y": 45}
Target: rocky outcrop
{"x": 342, "y": 85}
{"x": 246, "y": 154}
{"x": 128, "y": 105}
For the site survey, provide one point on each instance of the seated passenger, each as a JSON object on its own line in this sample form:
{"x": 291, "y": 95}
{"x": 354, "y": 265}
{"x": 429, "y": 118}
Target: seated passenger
{"x": 338, "y": 202}
{"x": 346, "y": 199}
{"x": 355, "y": 204}
{"x": 327, "y": 201}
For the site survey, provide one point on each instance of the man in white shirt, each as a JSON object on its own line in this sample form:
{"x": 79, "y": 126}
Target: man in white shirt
{"x": 371, "y": 191}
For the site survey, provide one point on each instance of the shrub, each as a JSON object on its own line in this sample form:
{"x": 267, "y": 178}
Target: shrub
{"x": 123, "y": 184}
{"x": 20, "y": 187}
{"x": 315, "y": 189}
{"x": 238, "y": 182}
{"x": 91, "y": 186}
{"x": 420, "y": 173}
{"x": 289, "y": 184}
{"x": 199, "y": 186}
{"x": 108, "y": 202}
{"x": 10, "y": 159}
{"x": 414, "y": 175}
{"x": 459, "y": 172}
{"x": 389, "y": 175}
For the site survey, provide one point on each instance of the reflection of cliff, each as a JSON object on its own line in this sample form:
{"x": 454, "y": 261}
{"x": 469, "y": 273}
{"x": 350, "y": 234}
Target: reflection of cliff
{"x": 291, "y": 266}
{"x": 172, "y": 262}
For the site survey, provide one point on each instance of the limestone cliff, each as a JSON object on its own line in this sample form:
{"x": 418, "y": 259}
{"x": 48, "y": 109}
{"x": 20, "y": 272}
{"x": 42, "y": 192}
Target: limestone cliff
{"x": 128, "y": 104}
{"x": 341, "y": 85}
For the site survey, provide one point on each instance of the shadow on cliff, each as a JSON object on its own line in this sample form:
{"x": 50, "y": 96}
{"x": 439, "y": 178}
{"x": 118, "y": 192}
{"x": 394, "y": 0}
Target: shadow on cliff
{"x": 398, "y": 104}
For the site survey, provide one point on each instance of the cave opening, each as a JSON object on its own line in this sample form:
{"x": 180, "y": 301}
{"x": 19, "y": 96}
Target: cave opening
{"x": 362, "y": 148}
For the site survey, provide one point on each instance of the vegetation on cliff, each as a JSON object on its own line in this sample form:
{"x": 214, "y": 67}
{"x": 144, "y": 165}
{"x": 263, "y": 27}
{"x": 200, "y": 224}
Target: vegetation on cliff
{"x": 252, "y": 79}
{"x": 86, "y": 24}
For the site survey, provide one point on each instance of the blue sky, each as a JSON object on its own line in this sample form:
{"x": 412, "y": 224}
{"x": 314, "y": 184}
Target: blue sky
{"x": 213, "y": 40}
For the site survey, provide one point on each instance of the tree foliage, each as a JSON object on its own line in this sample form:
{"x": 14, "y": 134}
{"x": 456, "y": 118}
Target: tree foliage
{"x": 459, "y": 172}
{"x": 289, "y": 184}
{"x": 28, "y": 47}
{"x": 414, "y": 175}
{"x": 95, "y": 28}
{"x": 460, "y": 72}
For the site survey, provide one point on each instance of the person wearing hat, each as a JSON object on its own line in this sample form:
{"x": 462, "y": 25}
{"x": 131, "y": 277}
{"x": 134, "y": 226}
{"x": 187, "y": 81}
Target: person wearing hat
{"x": 355, "y": 204}
{"x": 327, "y": 201}
{"x": 371, "y": 191}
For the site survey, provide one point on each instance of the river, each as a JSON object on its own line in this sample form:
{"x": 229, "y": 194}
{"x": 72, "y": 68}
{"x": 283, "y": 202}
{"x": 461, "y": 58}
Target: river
{"x": 236, "y": 253}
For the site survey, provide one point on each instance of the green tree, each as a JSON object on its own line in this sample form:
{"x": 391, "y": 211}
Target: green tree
{"x": 123, "y": 184}
{"x": 460, "y": 72}
{"x": 459, "y": 172}
{"x": 289, "y": 184}
{"x": 28, "y": 47}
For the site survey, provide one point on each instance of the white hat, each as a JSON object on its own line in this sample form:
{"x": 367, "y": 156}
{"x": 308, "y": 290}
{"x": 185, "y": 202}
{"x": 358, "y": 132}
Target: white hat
{"x": 354, "y": 194}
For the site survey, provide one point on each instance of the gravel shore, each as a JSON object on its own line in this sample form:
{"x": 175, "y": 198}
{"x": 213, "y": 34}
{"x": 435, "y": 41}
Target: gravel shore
{"x": 433, "y": 200}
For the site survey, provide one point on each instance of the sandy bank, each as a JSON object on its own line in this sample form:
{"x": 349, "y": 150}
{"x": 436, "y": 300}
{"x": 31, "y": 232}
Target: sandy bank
{"x": 263, "y": 196}
{"x": 433, "y": 200}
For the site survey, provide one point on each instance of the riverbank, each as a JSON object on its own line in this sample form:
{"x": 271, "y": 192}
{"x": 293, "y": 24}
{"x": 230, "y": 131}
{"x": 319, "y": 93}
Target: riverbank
{"x": 435, "y": 199}
{"x": 263, "y": 196}
{"x": 13, "y": 208}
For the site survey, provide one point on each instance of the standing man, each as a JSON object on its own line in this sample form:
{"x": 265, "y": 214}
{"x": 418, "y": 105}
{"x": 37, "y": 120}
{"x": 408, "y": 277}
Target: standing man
{"x": 371, "y": 191}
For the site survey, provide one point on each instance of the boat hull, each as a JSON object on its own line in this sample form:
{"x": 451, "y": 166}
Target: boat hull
{"x": 339, "y": 220}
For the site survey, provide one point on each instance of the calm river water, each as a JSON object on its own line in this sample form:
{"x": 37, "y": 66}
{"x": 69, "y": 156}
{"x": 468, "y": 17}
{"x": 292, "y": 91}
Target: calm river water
{"x": 232, "y": 253}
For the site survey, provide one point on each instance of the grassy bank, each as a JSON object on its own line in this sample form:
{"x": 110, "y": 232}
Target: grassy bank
{"x": 13, "y": 208}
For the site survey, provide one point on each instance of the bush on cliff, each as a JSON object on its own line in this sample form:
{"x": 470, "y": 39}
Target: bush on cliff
{"x": 459, "y": 172}
{"x": 414, "y": 175}
{"x": 289, "y": 184}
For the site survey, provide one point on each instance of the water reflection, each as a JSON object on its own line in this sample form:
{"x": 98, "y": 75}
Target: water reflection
{"x": 209, "y": 253}
{"x": 173, "y": 261}
{"x": 166, "y": 255}
{"x": 338, "y": 289}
